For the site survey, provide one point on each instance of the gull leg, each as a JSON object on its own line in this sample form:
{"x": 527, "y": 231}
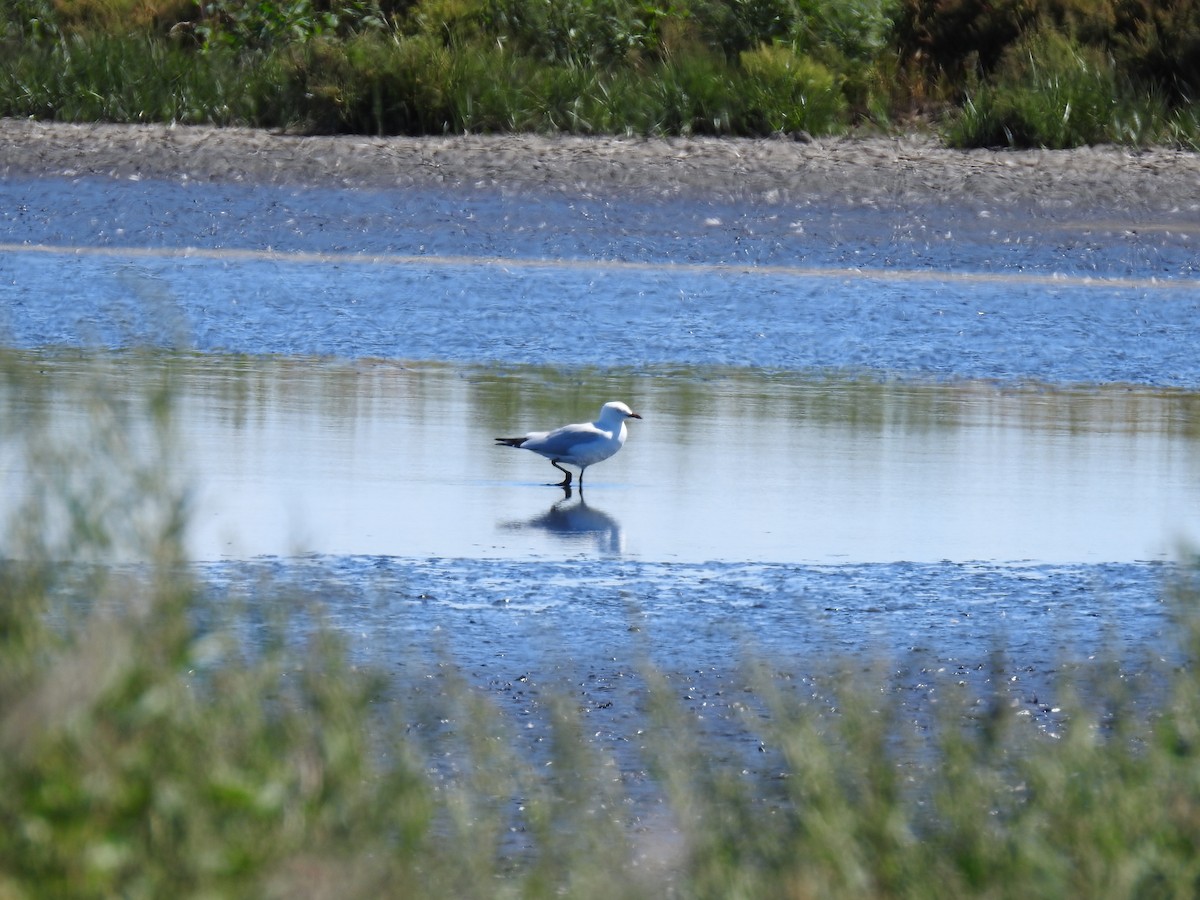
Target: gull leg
{"x": 566, "y": 482}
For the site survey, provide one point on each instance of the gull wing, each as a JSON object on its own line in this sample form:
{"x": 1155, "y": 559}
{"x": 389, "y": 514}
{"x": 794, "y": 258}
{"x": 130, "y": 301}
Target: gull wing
{"x": 565, "y": 440}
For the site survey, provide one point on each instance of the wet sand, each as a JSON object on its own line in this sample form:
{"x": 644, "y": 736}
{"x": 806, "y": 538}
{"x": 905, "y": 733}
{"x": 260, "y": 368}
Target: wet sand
{"x": 1158, "y": 184}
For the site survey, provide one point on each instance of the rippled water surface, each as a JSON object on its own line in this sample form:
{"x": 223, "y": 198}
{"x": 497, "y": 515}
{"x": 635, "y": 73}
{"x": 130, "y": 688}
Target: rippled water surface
{"x": 477, "y": 277}
{"x": 915, "y": 431}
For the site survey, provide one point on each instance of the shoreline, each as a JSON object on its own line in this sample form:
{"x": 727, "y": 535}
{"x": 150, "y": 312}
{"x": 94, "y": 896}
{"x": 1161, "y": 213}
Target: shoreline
{"x": 887, "y": 172}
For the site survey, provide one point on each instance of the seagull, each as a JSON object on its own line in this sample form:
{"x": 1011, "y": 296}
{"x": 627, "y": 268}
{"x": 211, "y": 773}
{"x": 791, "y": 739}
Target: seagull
{"x": 579, "y": 445}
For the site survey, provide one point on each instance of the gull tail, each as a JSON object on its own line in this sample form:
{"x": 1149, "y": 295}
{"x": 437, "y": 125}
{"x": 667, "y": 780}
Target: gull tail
{"x": 510, "y": 442}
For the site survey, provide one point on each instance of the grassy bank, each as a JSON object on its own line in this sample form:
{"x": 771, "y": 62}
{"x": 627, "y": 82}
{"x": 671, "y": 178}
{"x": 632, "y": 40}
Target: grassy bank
{"x": 1019, "y": 73}
{"x": 153, "y": 744}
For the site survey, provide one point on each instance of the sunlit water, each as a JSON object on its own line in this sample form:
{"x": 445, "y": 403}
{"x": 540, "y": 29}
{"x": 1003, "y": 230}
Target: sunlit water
{"x": 391, "y": 461}
{"x": 908, "y": 432}
{"x": 479, "y": 277}
{"x": 292, "y": 457}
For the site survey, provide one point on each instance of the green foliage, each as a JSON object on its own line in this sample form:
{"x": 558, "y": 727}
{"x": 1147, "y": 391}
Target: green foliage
{"x": 790, "y": 93}
{"x": 577, "y": 32}
{"x": 416, "y": 85}
{"x": 1183, "y": 128}
{"x": 139, "y": 754}
{"x": 1008, "y": 73}
{"x": 741, "y": 25}
{"x": 153, "y": 744}
{"x": 28, "y": 22}
{"x": 134, "y": 79}
{"x": 856, "y": 30}
{"x": 372, "y": 83}
{"x": 850, "y": 30}
{"x": 265, "y": 23}
{"x": 981, "y": 804}
{"x": 955, "y": 38}
{"x": 1052, "y": 93}
{"x": 1154, "y": 46}
{"x": 695, "y": 95}
{"x": 257, "y": 25}
{"x": 1158, "y": 44}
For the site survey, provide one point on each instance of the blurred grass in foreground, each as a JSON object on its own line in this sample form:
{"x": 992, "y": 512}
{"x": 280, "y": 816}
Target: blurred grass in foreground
{"x": 144, "y": 754}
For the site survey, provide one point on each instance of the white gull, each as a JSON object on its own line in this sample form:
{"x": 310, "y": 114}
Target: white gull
{"x": 579, "y": 445}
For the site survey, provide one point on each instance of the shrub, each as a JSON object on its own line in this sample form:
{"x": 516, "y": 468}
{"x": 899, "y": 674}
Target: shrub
{"x": 134, "y": 78}
{"x": 1183, "y": 128}
{"x": 856, "y": 31}
{"x": 790, "y": 93}
{"x": 1025, "y": 72}
{"x": 954, "y": 39}
{"x": 372, "y": 84}
{"x": 118, "y": 17}
{"x": 740, "y": 26}
{"x": 694, "y": 95}
{"x": 1051, "y": 93}
{"x": 1158, "y": 45}
{"x": 577, "y": 32}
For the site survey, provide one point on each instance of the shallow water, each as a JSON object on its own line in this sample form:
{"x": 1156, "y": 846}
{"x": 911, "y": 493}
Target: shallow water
{"x": 290, "y": 457}
{"x": 479, "y": 277}
{"x": 921, "y": 526}
{"x": 589, "y": 628}
{"x": 381, "y": 460}
{"x": 911, "y": 433}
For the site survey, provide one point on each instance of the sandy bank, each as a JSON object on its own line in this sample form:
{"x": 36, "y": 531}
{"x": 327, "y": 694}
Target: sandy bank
{"x": 911, "y": 170}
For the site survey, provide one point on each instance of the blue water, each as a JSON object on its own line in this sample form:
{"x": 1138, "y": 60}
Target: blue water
{"x": 481, "y": 278}
{"x": 597, "y": 315}
{"x": 706, "y": 615}
{"x": 478, "y": 277}
{"x": 717, "y": 635}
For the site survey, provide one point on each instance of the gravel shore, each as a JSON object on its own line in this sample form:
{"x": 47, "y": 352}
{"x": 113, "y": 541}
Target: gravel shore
{"x": 1160, "y": 184}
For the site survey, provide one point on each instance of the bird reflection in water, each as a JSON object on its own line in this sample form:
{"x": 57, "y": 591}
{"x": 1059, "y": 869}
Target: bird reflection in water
{"x": 576, "y": 521}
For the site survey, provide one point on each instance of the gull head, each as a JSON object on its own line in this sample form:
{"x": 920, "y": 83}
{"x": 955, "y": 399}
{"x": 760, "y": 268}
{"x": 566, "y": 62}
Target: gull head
{"x": 616, "y": 411}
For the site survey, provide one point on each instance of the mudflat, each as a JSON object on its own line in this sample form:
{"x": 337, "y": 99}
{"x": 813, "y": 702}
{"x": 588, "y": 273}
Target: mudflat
{"x": 1160, "y": 184}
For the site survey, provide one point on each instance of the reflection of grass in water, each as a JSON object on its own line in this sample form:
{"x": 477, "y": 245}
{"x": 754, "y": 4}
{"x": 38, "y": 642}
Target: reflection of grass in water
{"x": 141, "y": 755}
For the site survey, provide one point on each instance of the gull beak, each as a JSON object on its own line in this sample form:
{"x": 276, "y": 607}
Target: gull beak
{"x": 634, "y": 415}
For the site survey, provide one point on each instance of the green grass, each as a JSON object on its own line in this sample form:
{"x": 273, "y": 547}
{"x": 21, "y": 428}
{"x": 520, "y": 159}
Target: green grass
{"x": 138, "y": 78}
{"x": 152, "y": 744}
{"x": 1052, "y": 93}
{"x": 1053, "y": 73}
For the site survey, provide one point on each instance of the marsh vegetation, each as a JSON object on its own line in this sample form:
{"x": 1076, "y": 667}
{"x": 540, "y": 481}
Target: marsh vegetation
{"x": 1053, "y": 73}
{"x": 163, "y": 737}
